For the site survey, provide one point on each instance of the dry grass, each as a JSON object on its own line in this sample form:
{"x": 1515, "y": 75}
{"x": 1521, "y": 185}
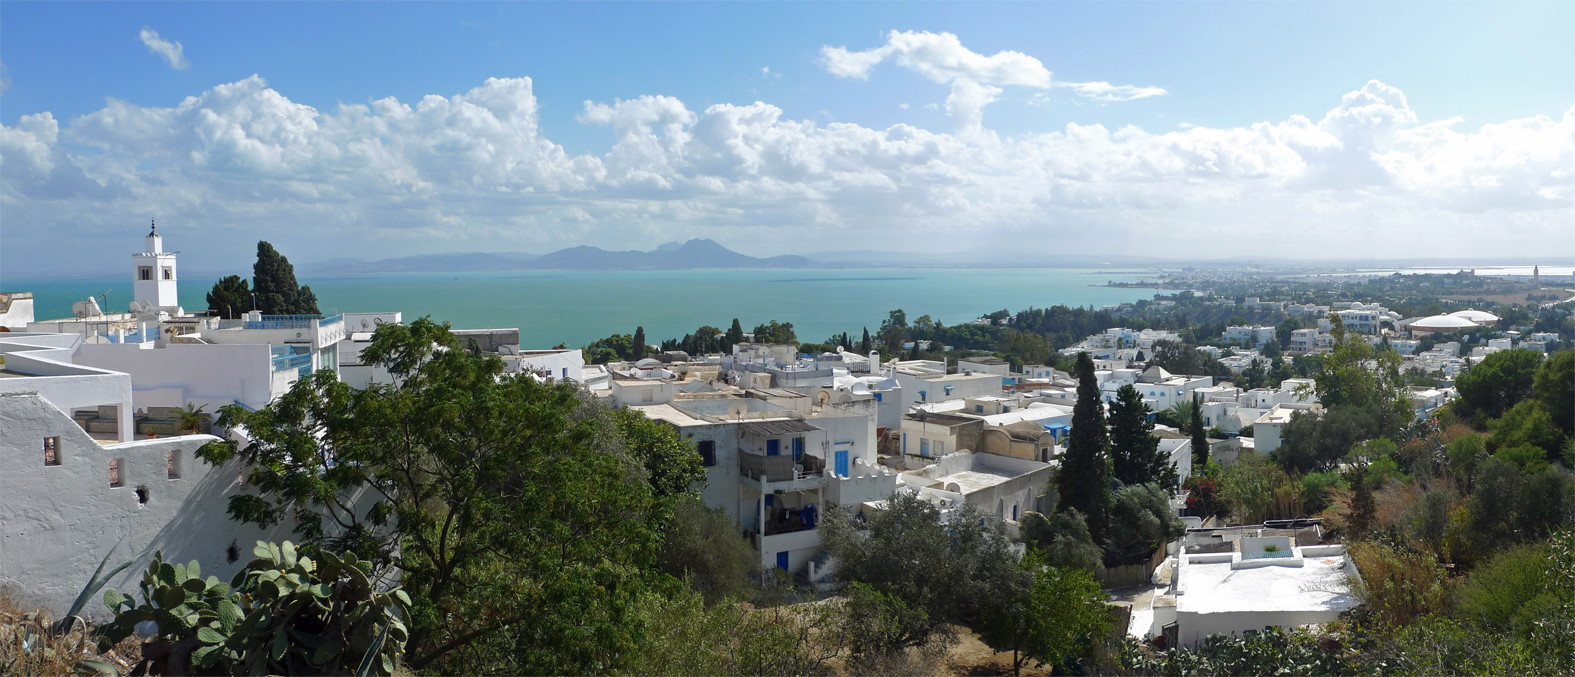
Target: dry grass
{"x": 29, "y": 647}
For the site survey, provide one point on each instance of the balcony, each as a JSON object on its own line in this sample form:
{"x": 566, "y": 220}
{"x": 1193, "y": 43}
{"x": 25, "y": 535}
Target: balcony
{"x": 781, "y": 473}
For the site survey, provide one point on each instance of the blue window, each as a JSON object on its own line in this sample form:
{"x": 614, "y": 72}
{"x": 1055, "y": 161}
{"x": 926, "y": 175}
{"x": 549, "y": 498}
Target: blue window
{"x": 782, "y": 561}
{"x": 842, "y": 462}
{"x": 798, "y": 448}
{"x": 924, "y": 447}
{"x": 773, "y": 447}
{"x": 978, "y": 409}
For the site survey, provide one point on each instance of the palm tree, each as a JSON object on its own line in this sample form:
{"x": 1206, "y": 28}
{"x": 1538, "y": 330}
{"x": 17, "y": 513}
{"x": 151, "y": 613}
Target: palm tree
{"x": 191, "y": 418}
{"x": 1178, "y": 415}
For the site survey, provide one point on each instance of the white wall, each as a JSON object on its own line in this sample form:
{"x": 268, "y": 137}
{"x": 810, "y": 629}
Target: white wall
{"x": 16, "y": 310}
{"x": 206, "y": 374}
{"x": 59, "y": 521}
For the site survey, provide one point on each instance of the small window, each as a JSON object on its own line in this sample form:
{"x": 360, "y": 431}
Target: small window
{"x": 145, "y": 272}
{"x": 169, "y": 273}
{"x": 116, "y": 479}
{"x": 708, "y": 453}
{"x": 142, "y": 494}
{"x": 51, "y": 451}
{"x": 172, "y": 464}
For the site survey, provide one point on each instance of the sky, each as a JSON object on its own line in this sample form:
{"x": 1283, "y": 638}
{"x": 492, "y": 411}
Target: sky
{"x": 1042, "y": 130}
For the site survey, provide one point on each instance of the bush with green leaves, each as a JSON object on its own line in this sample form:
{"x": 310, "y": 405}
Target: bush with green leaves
{"x": 1272, "y": 651}
{"x": 284, "y": 613}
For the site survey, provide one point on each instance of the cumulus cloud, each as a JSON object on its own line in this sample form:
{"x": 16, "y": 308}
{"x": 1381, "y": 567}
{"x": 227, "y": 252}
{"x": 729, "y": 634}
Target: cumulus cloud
{"x": 941, "y": 57}
{"x": 475, "y": 169}
{"x": 975, "y": 80}
{"x": 172, "y": 52}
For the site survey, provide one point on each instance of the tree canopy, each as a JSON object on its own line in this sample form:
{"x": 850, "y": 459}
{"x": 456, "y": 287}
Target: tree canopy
{"x": 520, "y": 515}
{"x": 1134, "y": 451}
{"x": 273, "y": 278}
{"x": 231, "y": 297}
{"x": 1499, "y": 381}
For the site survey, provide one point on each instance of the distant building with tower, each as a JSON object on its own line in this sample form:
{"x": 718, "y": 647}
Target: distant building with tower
{"x": 154, "y": 277}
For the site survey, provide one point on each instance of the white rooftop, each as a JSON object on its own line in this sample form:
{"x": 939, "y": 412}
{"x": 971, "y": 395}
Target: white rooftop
{"x": 1321, "y": 583}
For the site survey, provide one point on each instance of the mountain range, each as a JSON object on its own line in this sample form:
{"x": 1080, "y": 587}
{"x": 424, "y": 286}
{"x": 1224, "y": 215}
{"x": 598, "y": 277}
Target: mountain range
{"x": 694, "y": 254}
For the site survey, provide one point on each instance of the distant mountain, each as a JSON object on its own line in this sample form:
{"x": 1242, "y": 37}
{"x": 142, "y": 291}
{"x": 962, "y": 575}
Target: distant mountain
{"x": 697, "y": 253}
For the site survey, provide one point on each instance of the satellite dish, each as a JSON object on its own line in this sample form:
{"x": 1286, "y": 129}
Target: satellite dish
{"x": 377, "y": 321}
{"x": 364, "y": 323}
{"x": 824, "y": 397}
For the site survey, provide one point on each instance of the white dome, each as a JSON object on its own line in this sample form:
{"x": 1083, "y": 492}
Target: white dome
{"x": 1442, "y": 323}
{"x": 1474, "y": 315}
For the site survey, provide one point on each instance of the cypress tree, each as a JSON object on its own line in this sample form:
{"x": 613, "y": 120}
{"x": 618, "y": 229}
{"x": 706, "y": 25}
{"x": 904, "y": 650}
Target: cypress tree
{"x": 1200, "y": 441}
{"x": 231, "y": 297}
{"x": 273, "y": 279}
{"x": 639, "y": 343}
{"x": 1363, "y": 508}
{"x": 864, "y": 343}
{"x": 1134, "y": 451}
{"x": 1084, "y": 477}
{"x": 735, "y": 333}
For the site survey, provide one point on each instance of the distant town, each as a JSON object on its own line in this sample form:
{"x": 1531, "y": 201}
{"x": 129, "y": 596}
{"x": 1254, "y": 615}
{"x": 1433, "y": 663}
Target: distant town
{"x": 1343, "y": 460}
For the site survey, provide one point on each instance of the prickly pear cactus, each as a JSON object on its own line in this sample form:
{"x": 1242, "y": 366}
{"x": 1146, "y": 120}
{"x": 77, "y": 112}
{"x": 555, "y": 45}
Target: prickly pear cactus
{"x": 284, "y": 613}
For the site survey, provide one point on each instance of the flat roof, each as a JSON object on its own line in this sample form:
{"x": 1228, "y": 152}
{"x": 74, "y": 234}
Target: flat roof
{"x": 1214, "y": 587}
{"x": 783, "y": 427}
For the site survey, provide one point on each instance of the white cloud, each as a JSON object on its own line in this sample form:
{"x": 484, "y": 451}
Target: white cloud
{"x": 975, "y": 79}
{"x": 171, "y": 51}
{"x": 1104, "y": 91}
{"x": 942, "y": 58}
{"x": 475, "y": 169}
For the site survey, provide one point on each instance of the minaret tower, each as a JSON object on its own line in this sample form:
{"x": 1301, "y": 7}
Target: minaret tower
{"x": 153, "y": 274}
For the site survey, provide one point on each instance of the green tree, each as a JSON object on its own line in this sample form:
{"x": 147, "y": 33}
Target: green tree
{"x": 735, "y": 333}
{"x": 273, "y": 278}
{"x": 1141, "y": 521}
{"x": 1526, "y": 424}
{"x": 704, "y": 547}
{"x": 1057, "y": 619}
{"x": 1356, "y": 376}
{"x": 894, "y": 329}
{"x": 231, "y": 297}
{"x": 1554, "y": 387}
{"x": 1499, "y": 381}
{"x": 1084, "y": 477}
{"x": 966, "y": 561}
{"x": 640, "y": 346}
{"x": 518, "y": 519}
{"x": 1063, "y": 539}
{"x": 1134, "y": 451}
{"x": 864, "y": 343}
{"x": 1200, "y": 439}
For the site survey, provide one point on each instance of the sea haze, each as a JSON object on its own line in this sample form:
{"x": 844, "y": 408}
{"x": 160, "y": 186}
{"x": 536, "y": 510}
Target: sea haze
{"x": 576, "y": 307}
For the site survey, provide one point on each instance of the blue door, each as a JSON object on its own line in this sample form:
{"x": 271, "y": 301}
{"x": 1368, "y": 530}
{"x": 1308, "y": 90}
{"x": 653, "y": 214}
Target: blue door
{"x": 798, "y": 449}
{"x": 782, "y": 561}
{"x": 773, "y": 447}
{"x": 842, "y": 462}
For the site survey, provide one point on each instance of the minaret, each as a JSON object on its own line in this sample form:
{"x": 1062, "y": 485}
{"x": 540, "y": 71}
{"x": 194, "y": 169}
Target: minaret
{"x": 1536, "y": 275}
{"x": 153, "y": 274}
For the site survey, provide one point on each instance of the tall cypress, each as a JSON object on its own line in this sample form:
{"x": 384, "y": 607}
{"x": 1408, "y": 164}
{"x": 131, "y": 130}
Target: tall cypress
{"x": 1200, "y": 441}
{"x": 639, "y": 343}
{"x": 735, "y": 333}
{"x": 864, "y": 343}
{"x": 1084, "y": 477}
{"x": 273, "y": 279}
{"x": 1134, "y": 451}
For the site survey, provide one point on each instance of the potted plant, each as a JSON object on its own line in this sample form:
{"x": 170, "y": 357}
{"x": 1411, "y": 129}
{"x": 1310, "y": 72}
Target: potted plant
{"x": 1271, "y": 548}
{"x": 150, "y": 431}
{"x": 191, "y": 419}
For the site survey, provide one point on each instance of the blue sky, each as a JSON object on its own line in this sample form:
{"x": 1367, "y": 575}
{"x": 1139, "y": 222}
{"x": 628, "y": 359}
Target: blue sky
{"x": 1010, "y": 169}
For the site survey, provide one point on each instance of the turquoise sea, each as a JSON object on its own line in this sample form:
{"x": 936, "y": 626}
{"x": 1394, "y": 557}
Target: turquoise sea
{"x": 576, "y": 307}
